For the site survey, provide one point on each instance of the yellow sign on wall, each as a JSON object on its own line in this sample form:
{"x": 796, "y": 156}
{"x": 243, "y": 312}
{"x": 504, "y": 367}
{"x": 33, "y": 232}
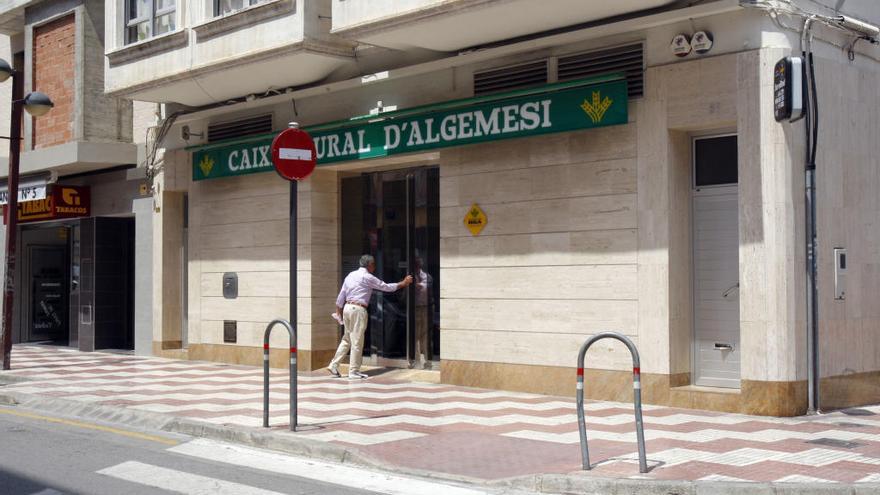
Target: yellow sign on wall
{"x": 475, "y": 220}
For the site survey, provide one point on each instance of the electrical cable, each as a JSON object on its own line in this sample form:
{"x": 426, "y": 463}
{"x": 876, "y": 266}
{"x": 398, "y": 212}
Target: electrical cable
{"x": 808, "y": 96}
{"x": 814, "y": 101}
{"x": 775, "y": 8}
{"x": 161, "y": 132}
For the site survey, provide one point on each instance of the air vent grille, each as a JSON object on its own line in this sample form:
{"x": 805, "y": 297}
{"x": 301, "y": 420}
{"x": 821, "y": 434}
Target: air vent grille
{"x": 508, "y": 78}
{"x": 250, "y": 126}
{"x": 628, "y": 59}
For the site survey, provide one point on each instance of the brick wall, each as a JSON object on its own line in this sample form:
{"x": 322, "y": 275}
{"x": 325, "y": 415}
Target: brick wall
{"x": 53, "y": 74}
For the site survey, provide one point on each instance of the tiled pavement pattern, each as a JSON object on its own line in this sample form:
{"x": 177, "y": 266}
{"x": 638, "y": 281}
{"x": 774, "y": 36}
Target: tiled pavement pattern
{"x": 470, "y": 432}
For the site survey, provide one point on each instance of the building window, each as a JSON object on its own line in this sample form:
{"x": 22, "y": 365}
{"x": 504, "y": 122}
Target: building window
{"x": 147, "y": 18}
{"x": 222, "y": 7}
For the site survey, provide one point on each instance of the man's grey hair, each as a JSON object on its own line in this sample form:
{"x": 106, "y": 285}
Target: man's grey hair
{"x": 366, "y": 260}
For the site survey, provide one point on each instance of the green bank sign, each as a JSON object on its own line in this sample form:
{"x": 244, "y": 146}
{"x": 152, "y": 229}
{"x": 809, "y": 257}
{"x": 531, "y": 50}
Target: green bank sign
{"x": 555, "y": 108}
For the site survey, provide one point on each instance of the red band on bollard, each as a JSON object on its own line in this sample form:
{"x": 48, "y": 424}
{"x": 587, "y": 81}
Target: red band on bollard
{"x": 265, "y": 347}
{"x": 293, "y": 350}
{"x": 636, "y": 371}
{"x": 580, "y": 372}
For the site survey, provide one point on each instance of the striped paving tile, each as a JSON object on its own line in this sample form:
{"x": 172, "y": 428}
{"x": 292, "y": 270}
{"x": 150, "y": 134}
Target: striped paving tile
{"x": 463, "y": 431}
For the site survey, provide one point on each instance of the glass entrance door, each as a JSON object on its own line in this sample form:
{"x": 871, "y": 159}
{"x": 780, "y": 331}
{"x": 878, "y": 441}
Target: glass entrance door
{"x": 395, "y": 217}
{"x": 47, "y": 306}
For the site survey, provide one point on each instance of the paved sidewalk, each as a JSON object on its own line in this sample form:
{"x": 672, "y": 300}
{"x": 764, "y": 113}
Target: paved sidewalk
{"x": 463, "y": 432}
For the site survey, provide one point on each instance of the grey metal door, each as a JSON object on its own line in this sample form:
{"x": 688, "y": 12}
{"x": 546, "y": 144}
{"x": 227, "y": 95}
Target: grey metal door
{"x": 716, "y": 262}
{"x": 716, "y": 287}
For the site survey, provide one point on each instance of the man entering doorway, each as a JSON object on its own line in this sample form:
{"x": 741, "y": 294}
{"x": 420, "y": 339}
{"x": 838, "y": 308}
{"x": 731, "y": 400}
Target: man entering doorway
{"x": 351, "y": 307}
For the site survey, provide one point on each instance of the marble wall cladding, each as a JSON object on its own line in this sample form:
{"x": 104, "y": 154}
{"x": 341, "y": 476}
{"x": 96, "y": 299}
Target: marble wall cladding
{"x": 306, "y": 360}
{"x": 760, "y": 398}
{"x": 582, "y": 218}
{"x": 857, "y": 389}
{"x": 241, "y": 225}
{"x": 848, "y": 208}
{"x": 769, "y": 398}
{"x": 556, "y": 261}
{"x": 772, "y": 280}
{"x": 171, "y": 301}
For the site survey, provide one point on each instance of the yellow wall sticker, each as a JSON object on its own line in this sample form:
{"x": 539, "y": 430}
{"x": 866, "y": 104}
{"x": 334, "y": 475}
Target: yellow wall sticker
{"x": 475, "y": 219}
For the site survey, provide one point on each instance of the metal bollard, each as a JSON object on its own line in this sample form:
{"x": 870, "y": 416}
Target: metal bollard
{"x": 292, "y": 332}
{"x": 637, "y": 398}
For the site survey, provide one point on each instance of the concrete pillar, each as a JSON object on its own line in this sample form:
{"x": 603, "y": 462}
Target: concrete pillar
{"x": 143, "y": 276}
{"x": 772, "y": 260}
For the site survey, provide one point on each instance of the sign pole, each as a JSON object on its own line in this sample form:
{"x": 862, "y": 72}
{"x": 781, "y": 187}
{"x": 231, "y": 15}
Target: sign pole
{"x": 293, "y": 260}
{"x": 294, "y": 157}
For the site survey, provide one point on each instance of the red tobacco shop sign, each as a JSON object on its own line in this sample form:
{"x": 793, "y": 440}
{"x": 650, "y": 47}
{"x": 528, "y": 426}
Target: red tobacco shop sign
{"x": 61, "y": 202}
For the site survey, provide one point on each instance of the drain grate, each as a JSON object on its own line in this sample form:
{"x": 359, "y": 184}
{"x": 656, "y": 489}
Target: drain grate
{"x": 858, "y": 412}
{"x": 833, "y": 442}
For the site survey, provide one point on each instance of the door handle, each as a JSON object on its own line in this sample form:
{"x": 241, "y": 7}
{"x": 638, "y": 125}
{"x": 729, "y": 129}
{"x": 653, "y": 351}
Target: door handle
{"x": 730, "y": 289}
{"x": 723, "y": 347}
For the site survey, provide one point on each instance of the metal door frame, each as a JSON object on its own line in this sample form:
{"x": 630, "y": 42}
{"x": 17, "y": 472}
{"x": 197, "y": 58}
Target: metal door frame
{"x": 695, "y": 191}
{"x": 407, "y": 175}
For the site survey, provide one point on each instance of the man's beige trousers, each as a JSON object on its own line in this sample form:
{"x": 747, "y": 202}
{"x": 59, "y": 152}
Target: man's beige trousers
{"x": 355, "y": 320}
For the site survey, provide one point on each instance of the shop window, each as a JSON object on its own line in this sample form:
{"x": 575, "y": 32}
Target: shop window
{"x": 222, "y": 7}
{"x": 147, "y": 18}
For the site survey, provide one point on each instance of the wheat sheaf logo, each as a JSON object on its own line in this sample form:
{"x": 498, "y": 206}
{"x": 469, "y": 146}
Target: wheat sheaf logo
{"x": 206, "y": 165}
{"x": 597, "y": 108}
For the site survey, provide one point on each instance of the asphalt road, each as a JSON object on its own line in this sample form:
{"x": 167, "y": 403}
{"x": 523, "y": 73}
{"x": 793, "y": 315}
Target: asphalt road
{"x": 50, "y": 455}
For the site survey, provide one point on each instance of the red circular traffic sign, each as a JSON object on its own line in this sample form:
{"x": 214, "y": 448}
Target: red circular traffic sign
{"x": 294, "y": 154}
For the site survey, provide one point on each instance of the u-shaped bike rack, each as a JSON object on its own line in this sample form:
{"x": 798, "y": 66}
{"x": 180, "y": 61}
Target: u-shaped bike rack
{"x": 637, "y": 399}
{"x": 292, "y": 332}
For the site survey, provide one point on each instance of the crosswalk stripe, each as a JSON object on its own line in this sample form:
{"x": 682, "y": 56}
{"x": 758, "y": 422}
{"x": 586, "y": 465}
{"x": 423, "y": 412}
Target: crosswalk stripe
{"x": 317, "y": 470}
{"x": 179, "y": 481}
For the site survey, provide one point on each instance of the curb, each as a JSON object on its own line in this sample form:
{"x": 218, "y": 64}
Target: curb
{"x": 145, "y": 420}
{"x": 11, "y": 379}
{"x": 284, "y": 441}
{"x": 277, "y": 440}
{"x": 584, "y": 484}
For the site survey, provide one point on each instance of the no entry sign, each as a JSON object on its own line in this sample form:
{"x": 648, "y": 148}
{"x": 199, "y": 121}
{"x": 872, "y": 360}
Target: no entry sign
{"x": 294, "y": 157}
{"x": 293, "y": 154}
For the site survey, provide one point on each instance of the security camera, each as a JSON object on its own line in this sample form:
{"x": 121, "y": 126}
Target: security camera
{"x": 185, "y": 133}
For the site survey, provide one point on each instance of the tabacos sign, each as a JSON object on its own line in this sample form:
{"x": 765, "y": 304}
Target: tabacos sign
{"x": 61, "y": 202}
{"x": 558, "y": 108}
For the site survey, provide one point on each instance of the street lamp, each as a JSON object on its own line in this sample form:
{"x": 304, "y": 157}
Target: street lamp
{"x": 36, "y": 104}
